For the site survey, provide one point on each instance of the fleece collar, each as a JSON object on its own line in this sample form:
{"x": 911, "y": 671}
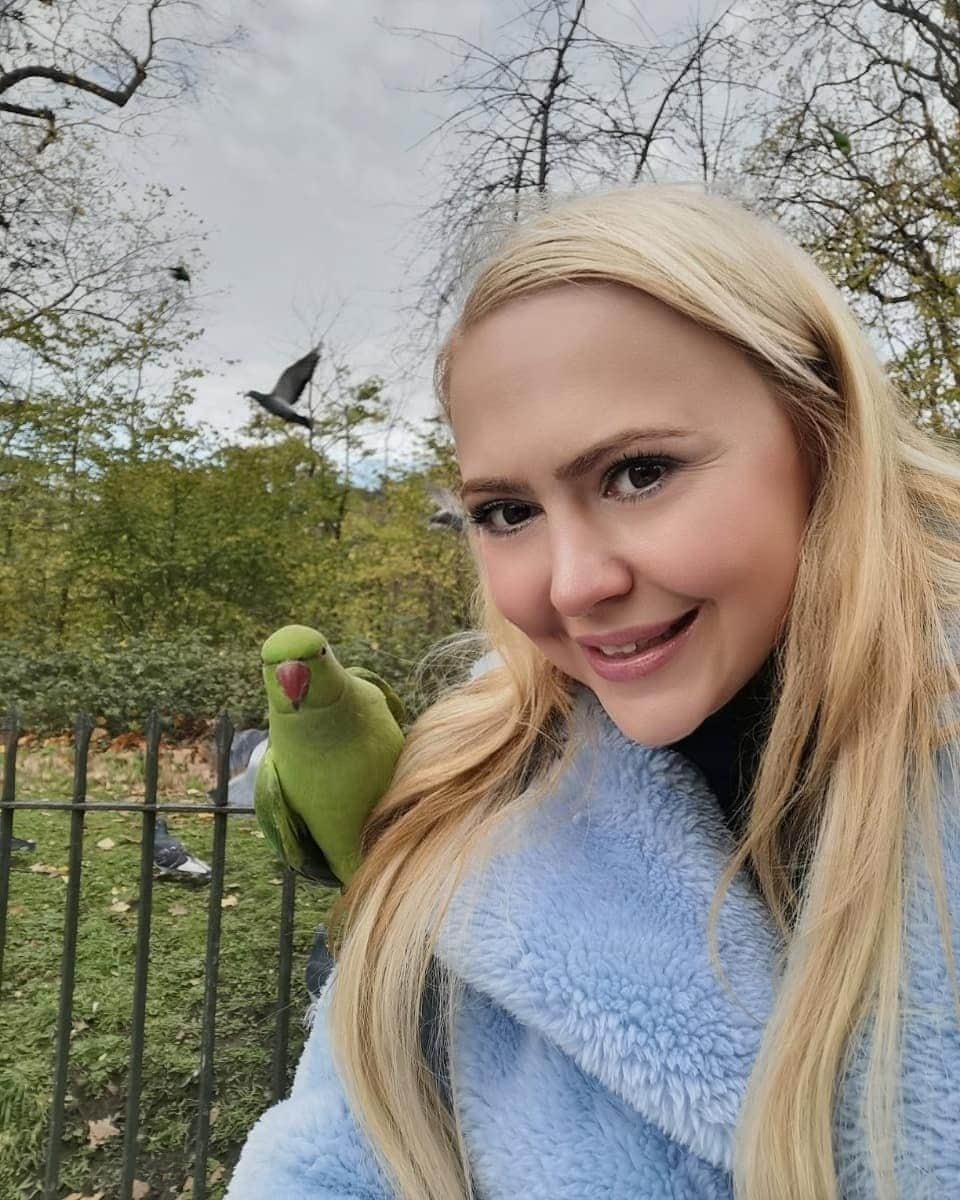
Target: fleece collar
{"x": 588, "y": 924}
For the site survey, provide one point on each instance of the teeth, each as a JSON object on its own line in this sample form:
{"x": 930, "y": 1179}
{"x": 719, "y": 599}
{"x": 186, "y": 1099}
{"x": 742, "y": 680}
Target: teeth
{"x": 631, "y": 647}
{"x": 614, "y": 651}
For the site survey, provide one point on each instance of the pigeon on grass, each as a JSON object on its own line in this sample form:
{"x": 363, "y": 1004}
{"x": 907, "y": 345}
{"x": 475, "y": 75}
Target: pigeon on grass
{"x": 288, "y": 389}
{"x": 23, "y": 845}
{"x": 172, "y": 860}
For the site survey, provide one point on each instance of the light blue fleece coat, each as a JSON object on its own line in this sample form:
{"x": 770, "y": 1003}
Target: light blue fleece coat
{"x": 597, "y": 1055}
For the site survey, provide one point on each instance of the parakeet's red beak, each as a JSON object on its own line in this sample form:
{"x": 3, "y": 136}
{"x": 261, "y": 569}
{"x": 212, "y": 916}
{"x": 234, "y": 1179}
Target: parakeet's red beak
{"x": 294, "y": 678}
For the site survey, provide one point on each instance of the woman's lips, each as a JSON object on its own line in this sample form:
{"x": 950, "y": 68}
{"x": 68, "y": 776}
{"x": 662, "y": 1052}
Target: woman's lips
{"x": 645, "y": 661}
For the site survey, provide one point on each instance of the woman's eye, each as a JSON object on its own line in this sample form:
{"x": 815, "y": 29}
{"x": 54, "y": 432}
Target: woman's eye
{"x": 635, "y": 469}
{"x": 645, "y": 475}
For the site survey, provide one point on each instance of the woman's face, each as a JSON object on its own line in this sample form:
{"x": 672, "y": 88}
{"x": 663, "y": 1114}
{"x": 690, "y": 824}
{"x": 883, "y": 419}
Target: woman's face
{"x": 712, "y": 521}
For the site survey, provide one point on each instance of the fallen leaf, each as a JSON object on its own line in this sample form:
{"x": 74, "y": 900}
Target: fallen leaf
{"x": 126, "y": 741}
{"x": 118, "y": 906}
{"x": 177, "y": 910}
{"x": 257, "y": 833}
{"x": 214, "y": 1113}
{"x": 140, "y": 1189}
{"x": 44, "y": 869}
{"x": 229, "y": 902}
{"x": 84, "y": 1196}
{"x": 276, "y": 881}
{"x": 101, "y": 1131}
{"x": 216, "y": 1175}
{"x": 106, "y": 844}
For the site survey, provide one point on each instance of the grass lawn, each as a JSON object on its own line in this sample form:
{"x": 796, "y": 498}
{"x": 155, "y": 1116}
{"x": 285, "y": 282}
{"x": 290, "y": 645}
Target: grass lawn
{"x": 99, "y": 1054}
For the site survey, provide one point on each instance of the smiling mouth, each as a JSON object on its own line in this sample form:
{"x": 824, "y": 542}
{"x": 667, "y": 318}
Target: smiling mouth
{"x": 647, "y": 658}
{"x": 631, "y": 648}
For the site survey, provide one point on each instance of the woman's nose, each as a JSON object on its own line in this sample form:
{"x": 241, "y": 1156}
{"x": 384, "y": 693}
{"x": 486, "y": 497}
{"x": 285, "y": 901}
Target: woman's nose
{"x": 585, "y": 570}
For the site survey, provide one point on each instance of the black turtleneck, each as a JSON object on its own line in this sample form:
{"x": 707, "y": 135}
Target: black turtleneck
{"x": 727, "y": 745}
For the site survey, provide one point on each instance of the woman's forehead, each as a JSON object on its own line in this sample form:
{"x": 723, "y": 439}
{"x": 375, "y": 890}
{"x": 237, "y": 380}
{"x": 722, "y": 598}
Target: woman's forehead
{"x": 602, "y": 357}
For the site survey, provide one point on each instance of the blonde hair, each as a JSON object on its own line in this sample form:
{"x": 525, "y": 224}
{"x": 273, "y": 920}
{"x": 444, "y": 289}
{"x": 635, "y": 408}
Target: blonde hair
{"x": 863, "y": 668}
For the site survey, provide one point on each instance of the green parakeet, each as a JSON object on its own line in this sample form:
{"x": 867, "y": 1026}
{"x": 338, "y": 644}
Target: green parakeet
{"x": 335, "y": 737}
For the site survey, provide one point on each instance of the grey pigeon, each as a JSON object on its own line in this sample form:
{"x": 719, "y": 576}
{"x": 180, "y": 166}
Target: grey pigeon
{"x": 449, "y": 513}
{"x": 320, "y": 963}
{"x": 246, "y": 750}
{"x": 245, "y": 741}
{"x": 24, "y": 845}
{"x": 171, "y": 858}
{"x": 288, "y": 390}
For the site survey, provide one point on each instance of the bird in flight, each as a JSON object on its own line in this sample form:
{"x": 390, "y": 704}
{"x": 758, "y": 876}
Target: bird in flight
{"x": 288, "y": 390}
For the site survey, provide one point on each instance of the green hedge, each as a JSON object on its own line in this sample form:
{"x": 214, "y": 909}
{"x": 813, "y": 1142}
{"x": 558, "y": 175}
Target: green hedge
{"x": 189, "y": 680}
{"x": 119, "y": 682}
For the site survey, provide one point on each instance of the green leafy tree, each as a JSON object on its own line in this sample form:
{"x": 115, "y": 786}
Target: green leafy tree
{"x": 108, "y": 401}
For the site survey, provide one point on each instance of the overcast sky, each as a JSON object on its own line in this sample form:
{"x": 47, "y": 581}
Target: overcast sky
{"x": 301, "y": 156}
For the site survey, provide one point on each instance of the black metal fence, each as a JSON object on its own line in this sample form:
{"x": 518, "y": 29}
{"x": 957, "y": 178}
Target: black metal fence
{"x": 78, "y": 807}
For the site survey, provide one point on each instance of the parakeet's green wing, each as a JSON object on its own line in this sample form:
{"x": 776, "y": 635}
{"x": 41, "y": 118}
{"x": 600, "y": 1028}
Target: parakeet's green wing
{"x": 286, "y": 833}
{"x": 394, "y": 703}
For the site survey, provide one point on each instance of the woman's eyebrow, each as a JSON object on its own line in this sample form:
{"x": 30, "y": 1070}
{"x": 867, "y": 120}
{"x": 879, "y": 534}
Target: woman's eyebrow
{"x": 579, "y": 466}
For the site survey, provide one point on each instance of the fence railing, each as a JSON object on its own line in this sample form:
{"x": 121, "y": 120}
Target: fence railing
{"x": 78, "y": 806}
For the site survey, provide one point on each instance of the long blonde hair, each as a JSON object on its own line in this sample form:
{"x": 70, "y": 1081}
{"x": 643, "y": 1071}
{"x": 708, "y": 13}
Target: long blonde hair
{"x": 864, "y": 666}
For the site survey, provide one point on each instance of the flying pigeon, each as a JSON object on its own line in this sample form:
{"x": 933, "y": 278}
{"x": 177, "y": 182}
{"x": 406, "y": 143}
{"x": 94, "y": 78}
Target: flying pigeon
{"x": 180, "y": 273}
{"x": 288, "y": 390}
{"x": 335, "y": 737}
{"x": 449, "y": 512}
{"x": 171, "y": 858}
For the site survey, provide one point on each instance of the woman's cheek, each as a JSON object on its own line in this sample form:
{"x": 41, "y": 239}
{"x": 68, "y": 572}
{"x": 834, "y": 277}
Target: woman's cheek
{"x": 516, "y": 587}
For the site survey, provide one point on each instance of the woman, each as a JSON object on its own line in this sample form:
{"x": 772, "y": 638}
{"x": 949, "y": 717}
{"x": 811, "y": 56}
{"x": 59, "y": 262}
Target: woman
{"x": 678, "y": 917}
